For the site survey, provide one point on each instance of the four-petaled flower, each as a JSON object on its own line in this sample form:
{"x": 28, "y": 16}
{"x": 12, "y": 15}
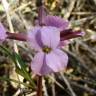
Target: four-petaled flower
{"x": 46, "y": 40}
{"x": 49, "y": 58}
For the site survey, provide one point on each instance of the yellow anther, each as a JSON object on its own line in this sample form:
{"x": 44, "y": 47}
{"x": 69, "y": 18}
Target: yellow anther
{"x": 46, "y": 49}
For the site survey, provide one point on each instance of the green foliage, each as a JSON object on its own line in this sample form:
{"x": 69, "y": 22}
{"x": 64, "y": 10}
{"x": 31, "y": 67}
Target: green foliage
{"x": 21, "y": 67}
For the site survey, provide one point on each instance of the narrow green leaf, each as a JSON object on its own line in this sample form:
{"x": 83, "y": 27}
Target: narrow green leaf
{"x": 22, "y": 69}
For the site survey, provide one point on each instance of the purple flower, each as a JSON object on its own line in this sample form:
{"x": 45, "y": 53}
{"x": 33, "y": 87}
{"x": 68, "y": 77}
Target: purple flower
{"x": 56, "y": 21}
{"x": 2, "y": 33}
{"x": 49, "y": 57}
{"x": 46, "y": 40}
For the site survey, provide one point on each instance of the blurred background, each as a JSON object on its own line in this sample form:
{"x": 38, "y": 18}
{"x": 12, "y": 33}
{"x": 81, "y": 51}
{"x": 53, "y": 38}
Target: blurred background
{"x": 79, "y": 79}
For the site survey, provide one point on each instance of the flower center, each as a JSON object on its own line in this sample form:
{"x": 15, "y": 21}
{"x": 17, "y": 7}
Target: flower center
{"x": 46, "y": 49}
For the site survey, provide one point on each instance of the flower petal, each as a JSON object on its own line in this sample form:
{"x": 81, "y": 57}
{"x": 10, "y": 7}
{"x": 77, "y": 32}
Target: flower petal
{"x": 56, "y": 21}
{"x": 2, "y": 33}
{"x": 37, "y": 63}
{"x": 53, "y": 61}
{"x": 45, "y": 68}
{"x": 33, "y": 38}
{"x": 63, "y": 57}
{"x": 50, "y": 36}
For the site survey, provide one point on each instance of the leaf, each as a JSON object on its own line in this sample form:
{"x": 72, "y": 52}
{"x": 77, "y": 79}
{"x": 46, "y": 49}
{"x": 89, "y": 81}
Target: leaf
{"x": 16, "y": 58}
{"x": 22, "y": 70}
{"x": 8, "y": 52}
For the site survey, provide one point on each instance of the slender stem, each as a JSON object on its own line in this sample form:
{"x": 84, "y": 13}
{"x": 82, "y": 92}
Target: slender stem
{"x": 65, "y": 35}
{"x": 17, "y": 36}
{"x": 69, "y": 34}
{"x": 39, "y": 81}
{"x": 39, "y": 86}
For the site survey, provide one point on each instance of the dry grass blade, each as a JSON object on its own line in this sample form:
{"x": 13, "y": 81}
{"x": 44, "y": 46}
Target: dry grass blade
{"x": 68, "y": 85}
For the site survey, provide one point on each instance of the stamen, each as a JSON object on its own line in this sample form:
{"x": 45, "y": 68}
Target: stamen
{"x": 46, "y": 49}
